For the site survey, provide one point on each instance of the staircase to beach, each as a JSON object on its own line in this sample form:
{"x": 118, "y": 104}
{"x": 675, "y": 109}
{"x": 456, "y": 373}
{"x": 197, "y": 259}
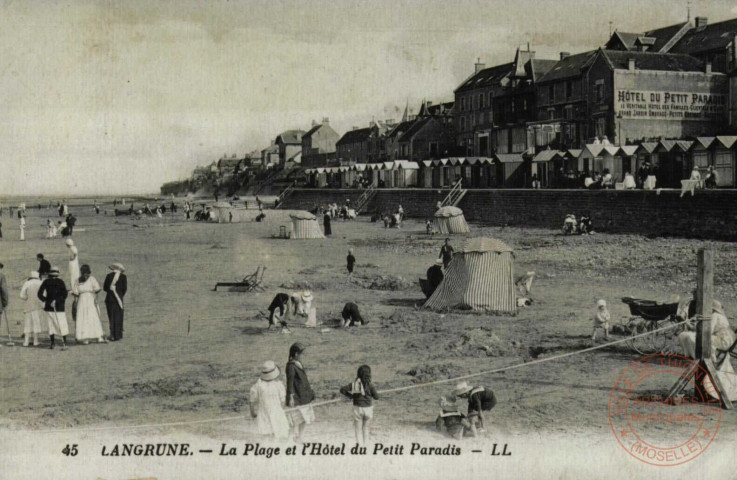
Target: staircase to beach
{"x": 455, "y": 195}
{"x": 364, "y": 199}
{"x": 284, "y": 194}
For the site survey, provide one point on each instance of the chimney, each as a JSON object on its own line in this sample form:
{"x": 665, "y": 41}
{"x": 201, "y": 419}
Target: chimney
{"x": 631, "y": 64}
{"x": 314, "y": 123}
{"x": 564, "y": 55}
{"x": 701, "y": 22}
{"x": 428, "y": 103}
{"x": 708, "y": 68}
{"x": 325, "y": 121}
{"x": 479, "y": 66}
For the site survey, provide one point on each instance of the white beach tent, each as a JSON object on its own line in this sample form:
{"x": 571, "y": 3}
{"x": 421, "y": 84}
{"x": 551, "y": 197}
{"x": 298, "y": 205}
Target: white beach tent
{"x": 480, "y": 276}
{"x": 450, "y": 220}
{"x": 304, "y": 225}
{"x": 224, "y": 209}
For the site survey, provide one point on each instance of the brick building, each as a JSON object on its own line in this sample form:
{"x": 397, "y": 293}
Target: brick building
{"x": 318, "y": 144}
{"x": 289, "y": 143}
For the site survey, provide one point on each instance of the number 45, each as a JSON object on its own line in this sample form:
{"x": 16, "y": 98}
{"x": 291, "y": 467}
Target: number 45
{"x": 70, "y": 450}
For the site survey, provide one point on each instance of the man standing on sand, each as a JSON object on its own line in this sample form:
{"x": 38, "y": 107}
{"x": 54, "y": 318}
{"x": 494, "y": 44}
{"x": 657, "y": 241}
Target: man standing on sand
{"x": 116, "y": 284}
{"x": 22, "y": 227}
{"x": 53, "y": 292}
{"x": 3, "y": 294}
{"x": 446, "y": 253}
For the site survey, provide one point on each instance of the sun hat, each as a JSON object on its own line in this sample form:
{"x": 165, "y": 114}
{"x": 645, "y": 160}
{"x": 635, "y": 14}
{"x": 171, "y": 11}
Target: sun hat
{"x": 53, "y": 272}
{"x": 269, "y": 371}
{"x": 601, "y": 303}
{"x": 306, "y": 296}
{"x": 69, "y": 242}
{"x": 461, "y": 388}
{"x": 117, "y": 266}
{"x": 299, "y": 347}
{"x": 34, "y": 274}
{"x": 716, "y": 306}
{"x": 438, "y": 261}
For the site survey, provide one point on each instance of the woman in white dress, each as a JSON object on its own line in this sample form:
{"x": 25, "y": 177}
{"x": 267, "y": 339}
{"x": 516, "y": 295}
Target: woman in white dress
{"x": 89, "y": 326}
{"x": 73, "y": 262}
{"x": 266, "y": 399}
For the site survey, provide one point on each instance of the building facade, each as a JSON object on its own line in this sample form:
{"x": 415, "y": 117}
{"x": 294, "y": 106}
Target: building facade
{"x": 318, "y": 144}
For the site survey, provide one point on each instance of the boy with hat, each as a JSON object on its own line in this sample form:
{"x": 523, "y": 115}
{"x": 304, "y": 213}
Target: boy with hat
{"x": 455, "y": 422}
{"x": 479, "y": 400}
{"x": 53, "y": 292}
{"x": 601, "y": 320}
{"x": 266, "y": 398}
{"x": 32, "y": 309}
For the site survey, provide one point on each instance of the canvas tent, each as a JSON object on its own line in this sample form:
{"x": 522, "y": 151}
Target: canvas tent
{"x": 223, "y": 209}
{"x": 450, "y": 220}
{"x": 304, "y": 225}
{"x": 480, "y": 276}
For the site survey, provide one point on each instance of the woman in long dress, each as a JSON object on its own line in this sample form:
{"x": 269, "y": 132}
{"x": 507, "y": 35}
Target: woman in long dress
{"x": 266, "y": 399}
{"x": 74, "y": 272}
{"x": 89, "y": 326}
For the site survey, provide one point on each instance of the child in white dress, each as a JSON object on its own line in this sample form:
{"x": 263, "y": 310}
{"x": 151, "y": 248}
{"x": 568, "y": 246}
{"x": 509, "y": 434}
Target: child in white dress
{"x": 266, "y": 399}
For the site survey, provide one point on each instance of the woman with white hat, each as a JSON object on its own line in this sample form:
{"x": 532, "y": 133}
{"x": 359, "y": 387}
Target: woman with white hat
{"x": 32, "y": 309}
{"x": 266, "y": 398}
{"x": 89, "y": 326}
{"x": 73, "y": 261}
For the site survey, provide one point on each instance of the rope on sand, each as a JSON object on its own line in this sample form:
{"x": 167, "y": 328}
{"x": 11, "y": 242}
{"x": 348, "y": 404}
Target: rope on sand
{"x": 390, "y": 390}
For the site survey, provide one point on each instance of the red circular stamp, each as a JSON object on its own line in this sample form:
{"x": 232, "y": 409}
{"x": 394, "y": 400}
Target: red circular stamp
{"x": 655, "y": 431}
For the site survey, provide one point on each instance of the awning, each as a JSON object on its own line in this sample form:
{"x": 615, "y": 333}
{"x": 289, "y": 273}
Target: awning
{"x": 703, "y": 142}
{"x": 727, "y": 140}
{"x": 321, "y": 170}
{"x": 360, "y": 167}
{"x": 647, "y": 147}
{"x": 547, "y": 155}
{"x": 457, "y": 161}
{"x": 574, "y": 152}
{"x": 628, "y": 150}
{"x": 309, "y": 171}
{"x": 684, "y": 145}
{"x": 666, "y": 145}
{"x": 592, "y": 149}
{"x": 388, "y": 166}
{"x": 509, "y": 157}
{"x": 442, "y": 162}
{"x": 408, "y": 166}
{"x": 427, "y": 163}
{"x": 612, "y": 150}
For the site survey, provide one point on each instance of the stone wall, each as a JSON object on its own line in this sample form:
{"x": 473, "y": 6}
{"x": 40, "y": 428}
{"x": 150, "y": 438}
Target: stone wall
{"x": 709, "y": 214}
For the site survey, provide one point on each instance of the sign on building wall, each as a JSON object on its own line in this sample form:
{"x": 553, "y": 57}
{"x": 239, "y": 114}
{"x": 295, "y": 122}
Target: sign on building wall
{"x": 677, "y": 106}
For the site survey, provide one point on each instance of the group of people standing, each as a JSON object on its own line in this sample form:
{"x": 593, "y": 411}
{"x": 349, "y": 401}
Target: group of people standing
{"x": 268, "y": 397}
{"x": 45, "y": 294}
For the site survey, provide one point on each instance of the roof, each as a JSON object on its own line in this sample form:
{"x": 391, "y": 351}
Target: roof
{"x": 302, "y": 215}
{"x": 727, "y": 140}
{"x": 400, "y": 128}
{"x": 355, "y": 136}
{"x": 291, "y": 136}
{"x": 574, "y": 152}
{"x": 629, "y": 150}
{"x": 713, "y": 36}
{"x": 487, "y": 77}
{"x": 537, "y": 68}
{"x": 509, "y": 157}
{"x": 649, "y": 147}
{"x": 271, "y": 149}
{"x": 228, "y": 162}
{"x": 664, "y": 35}
{"x": 664, "y": 62}
{"x": 311, "y": 131}
{"x": 627, "y": 39}
{"x": 416, "y": 127}
{"x": 547, "y": 155}
{"x": 448, "y": 211}
{"x": 703, "y": 141}
{"x": 569, "y": 67}
{"x": 440, "y": 108}
{"x": 481, "y": 244}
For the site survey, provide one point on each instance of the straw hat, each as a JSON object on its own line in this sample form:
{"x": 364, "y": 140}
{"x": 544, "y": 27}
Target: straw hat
{"x": 69, "y": 242}
{"x": 716, "y": 306}
{"x": 307, "y": 296}
{"x": 438, "y": 261}
{"x": 34, "y": 274}
{"x": 461, "y": 389}
{"x": 53, "y": 272}
{"x": 601, "y": 303}
{"x": 117, "y": 266}
{"x": 269, "y": 371}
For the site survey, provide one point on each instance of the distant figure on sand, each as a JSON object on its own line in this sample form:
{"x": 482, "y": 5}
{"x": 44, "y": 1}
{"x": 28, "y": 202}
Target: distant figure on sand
{"x": 326, "y": 224}
{"x": 43, "y": 266}
{"x": 352, "y": 315}
{"x": 446, "y": 253}
{"x": 73, "y": 261}
{"x": 350, "y": 262}
{"x": 22, "y": 227}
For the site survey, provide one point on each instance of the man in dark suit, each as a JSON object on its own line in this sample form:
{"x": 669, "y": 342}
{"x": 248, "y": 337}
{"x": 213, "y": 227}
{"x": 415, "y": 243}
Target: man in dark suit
{"x": 53, "y": 292}
{"x": 116, "y": 284}
{"x": 43, "y": 266}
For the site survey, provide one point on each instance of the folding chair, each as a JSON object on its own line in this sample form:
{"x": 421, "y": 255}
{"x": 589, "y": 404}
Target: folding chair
{"x": 249, "y": 282}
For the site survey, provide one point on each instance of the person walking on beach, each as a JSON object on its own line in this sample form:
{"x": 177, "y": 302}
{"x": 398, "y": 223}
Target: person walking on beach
{"x": 326, "y": 224}
{"x": 4, "y": 299}
{"x": 362, "y": 392}
{"x": 71, "y": 221}
{"x": 22, "y": 228}
{"x": 89, "y": 326}
{"x": 115, "y": 285}
{"x": 32, "y": 309}
{"x": 299, "y": 392}
{"x": 350, "y": 262}
{"x": 53, "y": 292}
{"x": 446, "y": 253}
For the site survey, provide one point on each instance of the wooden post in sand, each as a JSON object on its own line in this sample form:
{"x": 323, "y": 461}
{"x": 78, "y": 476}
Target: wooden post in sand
{"x": 702, "y": 364}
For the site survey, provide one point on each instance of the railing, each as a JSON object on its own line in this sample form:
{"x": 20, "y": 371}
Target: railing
{"x": 266, "y": 181}
{"x": 364, "y": 198}
{"x": 455, "y": 194}
{"x": 284, "y": 194}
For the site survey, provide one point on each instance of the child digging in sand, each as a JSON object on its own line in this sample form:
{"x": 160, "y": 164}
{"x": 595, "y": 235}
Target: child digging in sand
{"x": 480, "y": 399}
{"x": 454, "y": 421}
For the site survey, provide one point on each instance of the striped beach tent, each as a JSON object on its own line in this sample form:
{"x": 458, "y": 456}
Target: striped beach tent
{"x": 304, "y": 225}
{"x": 450, "y": 220}
{"x": 480, "y": 276}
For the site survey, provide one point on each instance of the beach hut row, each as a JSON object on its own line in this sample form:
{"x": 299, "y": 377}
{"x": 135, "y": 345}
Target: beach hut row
{"x": 397, "y": 173}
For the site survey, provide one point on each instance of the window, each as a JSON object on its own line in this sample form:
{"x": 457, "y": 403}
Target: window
{"x": 481, "y": 100}
{"x": 724, "y": 166}
{"x": 551, "y": 113}
{"x": 489, "y": 102}
{"x": 600, "y": 125}
{"x": 569, "y": 89}
{"x": 568, "y": 112}
{"x": 481, "y": 118}
{"x": 463, "y": 103}
{"x": 463, "y": 123}
{"x": 599, "y": 91}
{"x": 433, "y": 149}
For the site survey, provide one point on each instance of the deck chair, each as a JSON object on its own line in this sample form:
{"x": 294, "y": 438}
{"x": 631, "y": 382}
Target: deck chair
{"x": 524, "y": 283}
{"x": 249, "y": 283}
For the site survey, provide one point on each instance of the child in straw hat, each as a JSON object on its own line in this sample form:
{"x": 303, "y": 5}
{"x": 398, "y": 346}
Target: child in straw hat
{"x": 480, "y": 399}
{"x": 601, "y": 320}
{"x": 266, "y": 398}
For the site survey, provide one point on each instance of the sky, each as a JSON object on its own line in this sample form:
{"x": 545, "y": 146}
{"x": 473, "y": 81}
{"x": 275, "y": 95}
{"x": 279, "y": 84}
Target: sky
{"x": 120, "y": 96}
